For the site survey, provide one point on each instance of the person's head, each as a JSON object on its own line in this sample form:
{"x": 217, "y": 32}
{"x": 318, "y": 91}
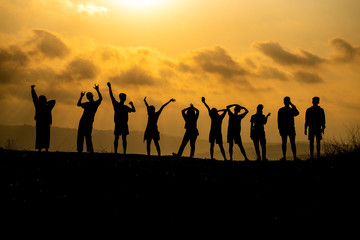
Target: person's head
{"x": 42, "y": 99}
{"x": 122, "y": 97}
{"x": 90, "y": 96}
{"x": 213, "y": 112}
{"x": 316, "y": 101}
{"x": 190, "y": 112}
{"x": 237, "y": 109}
{"x": 287, "y": 101}
{"x": 260, "y": 108}
{"x": 151, "y": 109}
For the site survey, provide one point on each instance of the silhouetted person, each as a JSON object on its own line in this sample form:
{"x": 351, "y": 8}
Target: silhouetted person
{"x": 286, "y": 125}
{"x": 234, "y": 129}
{"x": 190, "y": 115}
{"x": 151, "y": 131}
{"x": 215, "y": 129}
{"x": 315, "y": 120}
{"x": 43, "y": 119}
{"x": 257, "y": 132}
{"x": 121, "y": 117}
{"x": 87, "y": 119}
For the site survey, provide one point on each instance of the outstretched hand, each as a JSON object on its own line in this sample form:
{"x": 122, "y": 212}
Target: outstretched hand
{"x": 109, "y": 84}
{"x": 172, "y": 100}
{"x": 268, "y": 115}
{"x": 203, "y": 99}
{"x": 32, "y": 86}
{"x": 131, "y": 103}
{"x": 96, "y": 87}
{"x": 145, "y": 99}
{"x": 82, "y": 93}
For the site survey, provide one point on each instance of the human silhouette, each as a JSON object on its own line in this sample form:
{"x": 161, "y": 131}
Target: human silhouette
{"x": 151, "y": 131}
{"x": 87, "y": 119}
{"x": 234, "y": 128}
{"x": 121, "y": 117}
{"x": 257, "y": 132}
{"x": 286, "y": 125}
{"x": 190, "y": 115}
{"x": 215, "y": 129}
{"x": 315, "y": 120}
{"x": 43, "y": 119}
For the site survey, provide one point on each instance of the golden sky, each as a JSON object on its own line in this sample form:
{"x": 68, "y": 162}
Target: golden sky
{"x": 230, "y": 51}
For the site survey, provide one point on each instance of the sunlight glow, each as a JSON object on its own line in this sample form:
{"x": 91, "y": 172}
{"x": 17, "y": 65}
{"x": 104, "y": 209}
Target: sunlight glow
{"x": 91, "y": 9}
{"x": 142, "y": 3}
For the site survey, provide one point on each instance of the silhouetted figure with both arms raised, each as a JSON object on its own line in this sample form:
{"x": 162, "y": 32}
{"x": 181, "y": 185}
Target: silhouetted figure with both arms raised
{"x": 190, "y": 115}
{"x": 43, "y": 119}
{"x": 121, "y": 117}
{"x": 87, "y": 119}
{"x": 215, "y": 129}
{"x": 286, "y": 125}
{"x": 151, "y": 131}
{"x": 257, "y": 131}
{"x": 234, "y": 128}
{"x": 315, "y": 120}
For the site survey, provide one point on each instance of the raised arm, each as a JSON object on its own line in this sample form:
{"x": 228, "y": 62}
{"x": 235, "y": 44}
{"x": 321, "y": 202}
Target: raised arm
{"x": 132, "y": 107}
{"x": 81, "y": 96}
{"x": 224, "y": 112}
{"x": 162, "y": 107}
{"x": 111, "y": 93}
{"x": 266, "y": 118}
{"x": 51, "y": 104}
{"x": 246, "y": 112}
{"x": 230, "y": 106}
{"x": 96, "y": 87}
{"x": 203, "y": 100}
{"x": 147, "y": 105}
{"x": 34, "y": 95}
{"x": 296, "y": 112}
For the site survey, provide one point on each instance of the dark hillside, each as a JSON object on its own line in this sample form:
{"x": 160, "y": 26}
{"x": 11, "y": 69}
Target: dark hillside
{"x": 72, "y": 187}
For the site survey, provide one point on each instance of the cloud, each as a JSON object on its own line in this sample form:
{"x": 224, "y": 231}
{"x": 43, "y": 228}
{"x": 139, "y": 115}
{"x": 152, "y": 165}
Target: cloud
{"x": 134, "y": 76}
{"x": 307, "y": 77}
{"x": 343, "y": 51}
{"x": 215, "y": 61}
{"x": 12, "y": 61}
{"x": 268, "y": 72}
{"x": 48, "y": 44}
{"x": 79, "y": 69}
{"x": 281, "y": 56}
{"x": 91, "y": 9}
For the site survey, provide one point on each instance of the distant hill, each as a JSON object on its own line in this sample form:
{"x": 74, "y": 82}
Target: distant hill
{"x": 22, "y": 137}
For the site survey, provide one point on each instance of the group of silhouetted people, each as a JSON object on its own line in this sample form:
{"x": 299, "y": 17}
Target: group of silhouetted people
{"x": 314, "y": 125}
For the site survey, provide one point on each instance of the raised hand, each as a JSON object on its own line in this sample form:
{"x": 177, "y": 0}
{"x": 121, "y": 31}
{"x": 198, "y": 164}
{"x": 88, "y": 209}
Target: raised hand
{"x": 82, "y": 93}
{"x": 203, "y": 99}
{"x": 131, "y": 103}
{"x": 268, "y": 115}
{"x": 145, "y": 98}
{"x": 172, "y": 100}
{"x": 32, "y": 86}
{"x": 109, "y": 84}
{"x": 96, "y": 87}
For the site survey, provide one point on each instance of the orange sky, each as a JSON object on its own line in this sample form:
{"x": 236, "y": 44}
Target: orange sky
{"x": 245, "y": 52}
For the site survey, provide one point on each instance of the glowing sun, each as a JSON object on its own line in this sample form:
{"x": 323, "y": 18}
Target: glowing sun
{"x": 142, "y": 3}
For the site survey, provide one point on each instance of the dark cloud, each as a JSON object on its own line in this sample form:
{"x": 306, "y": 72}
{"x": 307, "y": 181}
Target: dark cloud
{"x": 272, "y": 73}
{"x": 48, "y": 44}
{"x": 79, "y": 69}
{"x": 279, "y": 55}
{"x": 306, "y": 77}
{"x": 134, "y": 76}
{"x": 215, "y": 61}
{"x": 12, "y": 62}
{"x": 344, "y": 51}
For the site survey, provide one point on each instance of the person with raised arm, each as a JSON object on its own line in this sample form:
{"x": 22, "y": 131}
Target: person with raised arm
{"x": 121, "y": 117}
{"x": 234, "y": 129}
{"x": 215, "y": 134}
{"x": 257, "y": 132}
{"x": 43, "y": 119}
{"x": 87, "y": 119}
{"x": 190, "y": 115}
{"x": 151, "y": 131}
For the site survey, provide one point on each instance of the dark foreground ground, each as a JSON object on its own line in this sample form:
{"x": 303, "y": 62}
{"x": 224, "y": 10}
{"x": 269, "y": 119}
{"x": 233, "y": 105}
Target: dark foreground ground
{"x": 72, "y": 188}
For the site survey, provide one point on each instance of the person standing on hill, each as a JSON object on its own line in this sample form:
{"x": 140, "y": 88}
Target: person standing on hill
{"x": 121, "y": 116}
{"x": 234, "y": 128}
{"x": 215, "y": 129}
{"x": 87, "y": 119}
{"x": 190, "y": 115}
{"x": 286, "y": 126}
{"x": 151, "y": 131}
{"x": 257, "y": 131}
{"x": 315, "y": 120}
{"x": 43, "y": 119}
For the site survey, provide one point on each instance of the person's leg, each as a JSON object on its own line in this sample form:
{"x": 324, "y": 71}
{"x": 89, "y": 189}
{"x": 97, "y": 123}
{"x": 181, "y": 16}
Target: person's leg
{"x": 222, "y": 150}
{"x": 263, "y": 148}
{"x": 257, "y": 150}
{"x": 293, "y": 146}
{"x": 89, "y": 145}
{"x": 242, "y": 149}
{"x": 116, "y": 143}
{"x": 311, "y": 148}
{"x": 157, "y": 147}
{"x": 231, "y": 144}
{"x": 80, "y": 138}
{"x": 318, "y": 139}
{"x": 284, "y": 142}
{"x": 124, "y": 142}
{"x": 148, "y": 146}
{"x": 212, "y": 143}
{"x": 192, "y": 146}
{"x": 183, "y": 144}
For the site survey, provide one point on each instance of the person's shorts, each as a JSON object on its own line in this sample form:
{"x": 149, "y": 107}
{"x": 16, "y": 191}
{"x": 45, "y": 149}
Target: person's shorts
{"x": 121, "y": 129}
{"x": 288, "y": 132}
{"x": 152, "y": 134}
{"x": 215, "y": 136}
{"x": 314, "y": 133}
{"x": 234, "y": 137}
